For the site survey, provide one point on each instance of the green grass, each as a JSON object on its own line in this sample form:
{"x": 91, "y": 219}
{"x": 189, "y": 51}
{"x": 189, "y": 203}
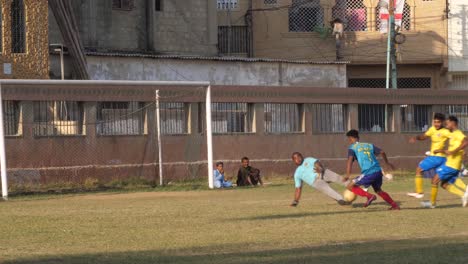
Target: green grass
{"x": 248, "y": 225}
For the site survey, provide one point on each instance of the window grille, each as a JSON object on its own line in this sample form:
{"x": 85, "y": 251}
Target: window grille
{"x": 305, "y": 15}
{"x": 158, "y": 5}
{"x": 121, "y": 118}
{"x": 329, "y": 118}
{"x": 405, "y": 22}
{"x": 415, "y": 118}
{"x": 461, "y": 112}
{"x": 371, "y": 118}
{"x": 234, "y": 39}
{"x": 58, "y": 118}
{"x": 381, "y": 83}
{"x": 122, "y": 4}
{"x": 354, "y": 13}
{"x": 282, "y": 118}
{"x": 229, "y": 118}
{"x": 270, "y": 2}
{"x": 227, "y": 4}
{"x": 18, "y": 27}
{"x": 11, "y": 117}
{"x": 173, "y": 118}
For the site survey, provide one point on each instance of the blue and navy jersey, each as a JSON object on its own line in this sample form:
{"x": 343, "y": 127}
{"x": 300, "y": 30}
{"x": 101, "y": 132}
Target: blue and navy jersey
{"x": 365, "y": 154}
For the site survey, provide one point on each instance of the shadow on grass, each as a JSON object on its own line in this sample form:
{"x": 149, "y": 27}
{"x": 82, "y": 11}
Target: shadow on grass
{"x": 426, "y": 251}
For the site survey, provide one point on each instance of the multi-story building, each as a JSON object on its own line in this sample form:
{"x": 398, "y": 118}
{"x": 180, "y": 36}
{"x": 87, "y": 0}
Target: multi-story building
{"x": 458, "y": 44}
{"x": 300, "y": 29}
{"x": 24, "y": 39}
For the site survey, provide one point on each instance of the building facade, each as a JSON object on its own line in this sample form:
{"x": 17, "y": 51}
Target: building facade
{"x": 24, "y": 39}
{"x": 458, "y": 45}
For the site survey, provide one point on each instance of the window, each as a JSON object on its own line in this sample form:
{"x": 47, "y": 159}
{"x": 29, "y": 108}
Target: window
{"x": 405, "y": 22}
{"x": 121, "y": 118}
{"x": 158, "y": 5}
{"x": 415, "y": 118}
{"x": 270, "y": 2}
{"x": 461, "y": 112}
{"x": 371, "y": 118}
{"x": 122, "y": 4}
{"x": 1, "y": 31}
{"x": 227, "y": 4}
{"x": 173, "y": 118}
{"x": 58, "y": 118}
{"x": 234, "y": 39}
{"x": 354, "y": 13}
{"x": 231, "y": 117}
{"x": 381, "y": 83}
{"x": 18, "y": 27}
{"x": 305, "y": 15}
{"x": 283, "y": 118}
{"x": 11, "y": 117}
{"x": 329, "y": 118}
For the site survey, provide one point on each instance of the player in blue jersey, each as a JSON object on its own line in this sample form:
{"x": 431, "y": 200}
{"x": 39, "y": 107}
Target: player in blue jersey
{"x": 371, "y": 172}
{"x": 313, "y": 173}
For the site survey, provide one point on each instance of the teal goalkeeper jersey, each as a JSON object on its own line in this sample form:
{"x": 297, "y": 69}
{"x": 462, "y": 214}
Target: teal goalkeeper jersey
{"x": 305, "y": 172}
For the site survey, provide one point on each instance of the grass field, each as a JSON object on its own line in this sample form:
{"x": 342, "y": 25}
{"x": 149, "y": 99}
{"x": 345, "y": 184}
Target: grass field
{"x": 252, "y": 225}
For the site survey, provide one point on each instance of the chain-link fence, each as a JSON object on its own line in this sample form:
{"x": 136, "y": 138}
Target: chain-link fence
{"x": 305, "y": 15}
{"x": 422, "y": 82}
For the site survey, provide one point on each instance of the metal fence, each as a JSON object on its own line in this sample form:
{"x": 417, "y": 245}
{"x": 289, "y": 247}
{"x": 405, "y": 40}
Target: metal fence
{"x": 233, "y": 40}
{"x": 353, "y": 12}
{"x": 58, "y": 118}
{"x": 283, "y": 118}
{"x": 227, "y": 4}
{"x": 329, "y": 118}
{"x": 415, "y": 118}
{"x": 174, "y": 118}
{"x": 461, "y": 112}
{"x": 305, "y": 15}
{"x": 18, "y": 27}
{"x": 121, "y": 118}
{"x": 11, "y": 115}
{"x": 270, "y": 2}
{"x": 421, "y": 82}
{"x": 405, "y": 22}
{"x": 230, "y": 117}
{"x": 373, "y": 118}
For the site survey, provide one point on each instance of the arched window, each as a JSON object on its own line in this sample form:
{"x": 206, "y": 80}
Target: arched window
{"x": 305, "y": 15}
{"x": 18, "y": 27}
{"x": 353, "y": 12}
{"x": 405, "y": 23}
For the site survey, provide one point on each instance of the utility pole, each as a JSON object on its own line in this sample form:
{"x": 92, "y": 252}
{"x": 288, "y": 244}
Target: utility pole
{"x": 391, "y": 48}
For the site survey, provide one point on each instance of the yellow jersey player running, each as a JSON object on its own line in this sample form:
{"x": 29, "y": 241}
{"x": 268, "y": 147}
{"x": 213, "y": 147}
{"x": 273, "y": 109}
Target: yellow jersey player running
{"x": 438, "y": 135}
{"x": 447, "y": 174}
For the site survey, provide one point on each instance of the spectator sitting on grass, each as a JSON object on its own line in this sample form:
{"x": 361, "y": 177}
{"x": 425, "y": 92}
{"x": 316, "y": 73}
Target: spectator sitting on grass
{"x": 248, "y": 175}
{"x": 218, "y": 174}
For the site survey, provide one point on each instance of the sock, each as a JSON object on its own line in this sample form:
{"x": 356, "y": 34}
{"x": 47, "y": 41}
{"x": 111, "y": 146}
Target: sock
{"x": 387, "y": 198}
{"x": 451, "y": 188}
{"x": 357, "y": 190}
{"x": 460, "y": 184}
{"x": 418, "y": 181}
{"x": 434, "y": 190}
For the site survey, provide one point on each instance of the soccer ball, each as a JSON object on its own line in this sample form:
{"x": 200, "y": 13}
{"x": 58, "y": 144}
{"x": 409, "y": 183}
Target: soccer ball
{"x": 349, "y": 196}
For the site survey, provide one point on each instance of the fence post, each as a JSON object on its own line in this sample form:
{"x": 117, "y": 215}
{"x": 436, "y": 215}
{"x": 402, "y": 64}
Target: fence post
{"x": 158, "y": 124}
{"x": 209, "y": 138}
{"x": 3, "y": 166}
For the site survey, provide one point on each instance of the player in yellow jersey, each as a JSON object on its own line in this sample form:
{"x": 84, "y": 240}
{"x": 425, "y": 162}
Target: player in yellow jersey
{"x": 438, "y": 135}
{"x": 447, "y": 174}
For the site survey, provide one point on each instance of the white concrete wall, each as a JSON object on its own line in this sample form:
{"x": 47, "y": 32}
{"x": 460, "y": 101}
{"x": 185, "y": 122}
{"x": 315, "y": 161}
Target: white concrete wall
{"x": 217, "y": 72}
{"x": 458, "y": 36}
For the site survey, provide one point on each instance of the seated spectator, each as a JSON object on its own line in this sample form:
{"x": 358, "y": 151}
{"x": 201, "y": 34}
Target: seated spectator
{"x": 218, "y": 177}
{"x": 248, "y": 175}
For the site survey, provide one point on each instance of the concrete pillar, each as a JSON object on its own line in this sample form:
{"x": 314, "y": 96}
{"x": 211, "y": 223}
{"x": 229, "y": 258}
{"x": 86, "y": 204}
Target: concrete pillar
{"x": 27, "y": 119}
{"x": 353, "y": 121}
{"x": 193, "y": 117}
{"x": 259, "y": 119}
{"x": 395, "y": 119}
{"x": 90, "y": 120}
{"x": 212, "y": 24}
{"x": 307, "y": 118}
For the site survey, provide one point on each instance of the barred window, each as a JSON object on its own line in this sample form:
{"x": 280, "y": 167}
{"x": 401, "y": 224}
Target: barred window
{"x": 415, "y": 118}
{"x": 158, "y": 5}
{"x": 18, "y": 27}
{"x": 354, "y": 13}
{"x": 122, "y": 4}
{"x": 227, "y": 4}
{"x": 461, "y": 112}
{"x": 329, "y": 118}
{"x": 405, "y": 22}
{"x": 173, "y": 118}
{"x": 381, "y": 83}
{"x": 282, "y": 118}
{"x": 371, "y": 117}
{"x": 121, "y": 118}
{"x": 305, "y": 15}
{"x": 270, "y": 2}
{"x": 231, "y": 117}
{"x": 234, "y": 39}
{"x": 1, "y": 31}
{"x": 11, "y": 117}
{"x": 58, "y": 118}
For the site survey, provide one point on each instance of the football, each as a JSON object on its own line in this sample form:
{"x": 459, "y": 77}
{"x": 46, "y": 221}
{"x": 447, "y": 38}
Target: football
{"x": 349, "y": 196}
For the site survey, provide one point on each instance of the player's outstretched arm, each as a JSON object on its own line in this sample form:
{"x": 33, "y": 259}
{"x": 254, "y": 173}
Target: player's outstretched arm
{"x": 418, "y": 137}
{"x": 297, "y": 196}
